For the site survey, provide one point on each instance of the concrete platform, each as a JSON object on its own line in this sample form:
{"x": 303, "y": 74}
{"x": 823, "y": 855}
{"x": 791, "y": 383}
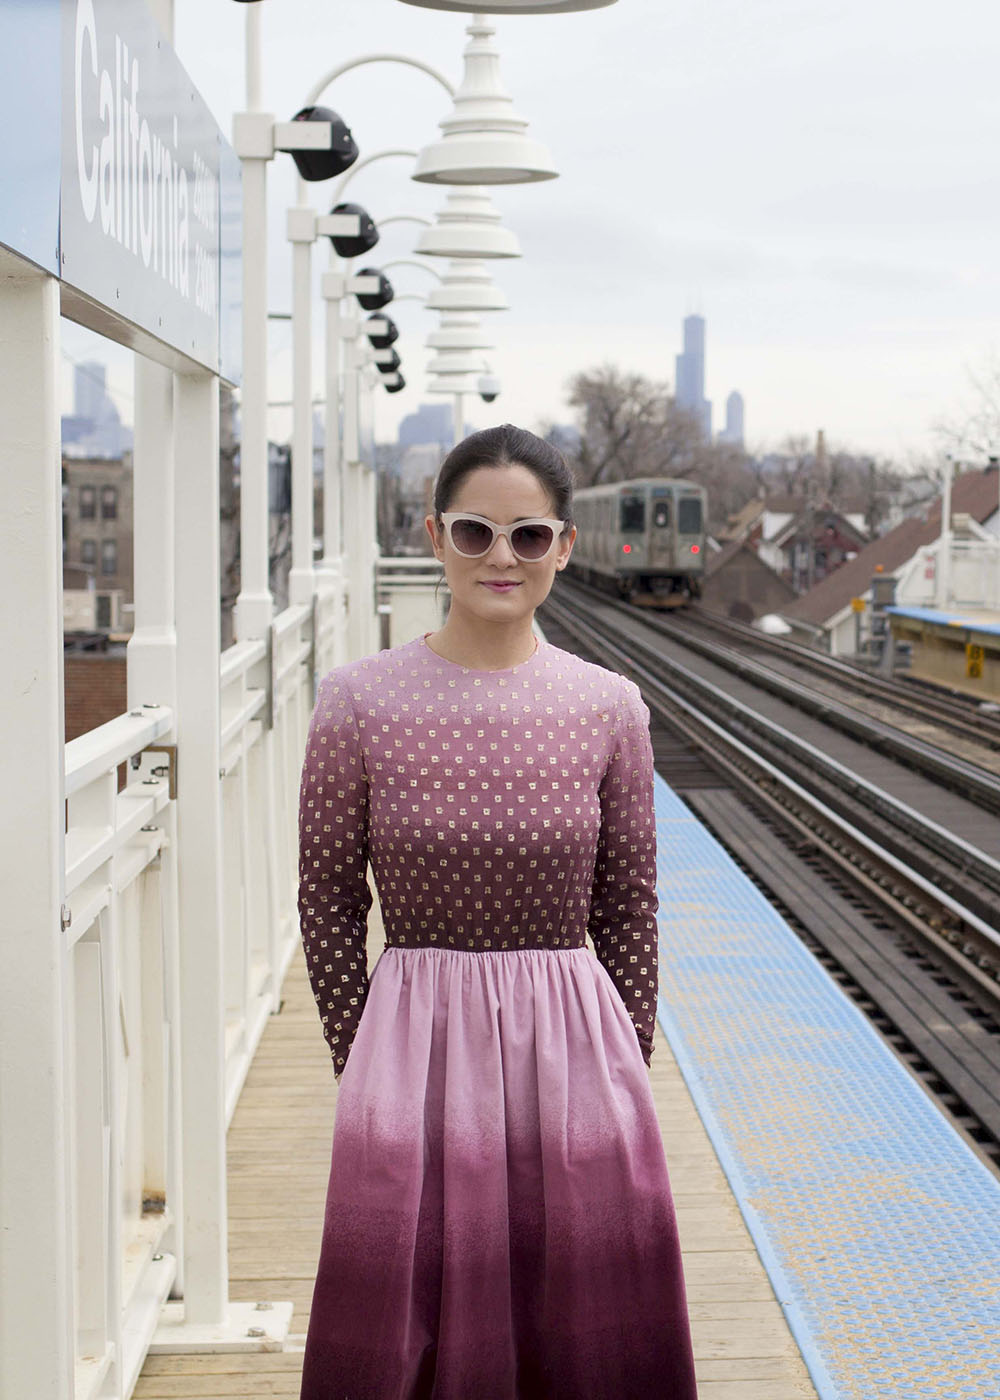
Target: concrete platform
{"x": 957, "y": 647}
{"x": 876, "y": 1223}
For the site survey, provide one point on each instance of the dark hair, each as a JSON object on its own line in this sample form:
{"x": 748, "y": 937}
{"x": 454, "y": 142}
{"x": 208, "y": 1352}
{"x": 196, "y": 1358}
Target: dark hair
{"x": 506, "y": 446}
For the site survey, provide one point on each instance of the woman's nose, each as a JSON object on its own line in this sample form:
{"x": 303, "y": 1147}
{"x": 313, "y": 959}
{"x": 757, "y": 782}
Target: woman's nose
{"x": 501, "y": 552}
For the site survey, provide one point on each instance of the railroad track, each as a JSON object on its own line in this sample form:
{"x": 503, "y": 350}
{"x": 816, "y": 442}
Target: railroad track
{"x": 902, "y": 914}
{"x": 954, "y": 713}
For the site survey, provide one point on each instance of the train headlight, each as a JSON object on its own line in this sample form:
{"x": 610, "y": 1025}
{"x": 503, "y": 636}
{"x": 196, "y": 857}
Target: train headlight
{"x": 696, "y": 549}
{"x": 626, "y": 549}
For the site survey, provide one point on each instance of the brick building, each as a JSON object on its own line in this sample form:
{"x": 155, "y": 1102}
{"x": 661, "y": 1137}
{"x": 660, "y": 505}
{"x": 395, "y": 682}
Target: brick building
{"x": 97, "y": 543}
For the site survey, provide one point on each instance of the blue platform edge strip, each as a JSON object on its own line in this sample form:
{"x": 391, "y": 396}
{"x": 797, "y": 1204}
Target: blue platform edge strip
{"x": 946, "y": 619}
{"x": 878, "y": 1226}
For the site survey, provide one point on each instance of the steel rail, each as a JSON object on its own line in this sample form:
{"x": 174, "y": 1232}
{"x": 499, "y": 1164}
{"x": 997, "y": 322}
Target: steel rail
{"x": 953, "y": 912}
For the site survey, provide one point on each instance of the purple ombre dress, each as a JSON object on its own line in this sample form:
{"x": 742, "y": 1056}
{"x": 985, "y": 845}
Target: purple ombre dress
{"x": 499, "y": 1224}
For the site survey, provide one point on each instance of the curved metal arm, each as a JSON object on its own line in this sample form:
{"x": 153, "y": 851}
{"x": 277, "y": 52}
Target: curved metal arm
{"x": 411, "y": 262}
{"x": 404, "y": 219}
{"x": 317, "y": 90}
{"x": 360, "y": 165}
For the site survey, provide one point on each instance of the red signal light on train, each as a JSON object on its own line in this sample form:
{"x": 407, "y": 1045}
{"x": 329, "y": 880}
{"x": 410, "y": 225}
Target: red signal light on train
{"x": 696, "y": 549}
{"x": 626, "y": 549}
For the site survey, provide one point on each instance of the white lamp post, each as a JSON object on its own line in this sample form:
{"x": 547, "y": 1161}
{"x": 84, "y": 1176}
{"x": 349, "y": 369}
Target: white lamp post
{"x": 484, "y": 141}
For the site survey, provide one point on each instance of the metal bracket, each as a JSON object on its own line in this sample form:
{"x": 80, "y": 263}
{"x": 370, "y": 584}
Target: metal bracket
{"x": 170, "y": 767}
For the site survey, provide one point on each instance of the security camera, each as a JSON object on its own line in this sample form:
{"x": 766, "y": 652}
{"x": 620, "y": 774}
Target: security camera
{"x": 489, "y": 387}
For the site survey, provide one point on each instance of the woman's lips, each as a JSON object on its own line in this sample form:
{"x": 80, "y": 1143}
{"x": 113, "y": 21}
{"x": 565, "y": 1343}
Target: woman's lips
{"x": 500, "y": 587}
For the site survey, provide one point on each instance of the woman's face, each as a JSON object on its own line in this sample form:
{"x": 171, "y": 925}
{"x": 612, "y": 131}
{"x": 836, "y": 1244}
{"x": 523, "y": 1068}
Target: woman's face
{"x": 503, "y": 495}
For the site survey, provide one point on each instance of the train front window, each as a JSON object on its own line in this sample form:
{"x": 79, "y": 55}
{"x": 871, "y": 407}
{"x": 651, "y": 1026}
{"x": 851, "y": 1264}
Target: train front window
{"x": 661, "y": 513}
{"x": 689, "y": 515}
{"x": 632, "y": 515}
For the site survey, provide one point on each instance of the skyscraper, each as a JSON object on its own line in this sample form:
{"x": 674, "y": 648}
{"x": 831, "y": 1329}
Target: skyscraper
{"x": 689, "y": 391}
{"x": 733, "y": 431}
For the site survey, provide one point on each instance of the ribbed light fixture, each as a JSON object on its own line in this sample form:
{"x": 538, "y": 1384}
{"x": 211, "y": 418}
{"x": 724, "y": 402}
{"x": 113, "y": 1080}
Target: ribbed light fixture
{"x": 466, "y": 286}
{"x": 460, "y": 331}
{"x": 469, "y": 226}
{"x": 512, "y": 7}
{"x": 450, "y": 362}
{"x": 484, "y": 141}
{"x": 451, "y": 384}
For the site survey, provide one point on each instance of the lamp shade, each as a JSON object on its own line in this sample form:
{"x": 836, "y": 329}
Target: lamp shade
{"x": 452, "y": 384}
{"x": 512, "y": 7}
{"x": 469, "y": 226}
{"x": 393, "y": 383}
{"x": 343, "y": 151}
{"x": 460, "y": 332}
{"x": 483, "y": 141}
{"x": 374, "y": 301}
{"x": 466, "y": 286}
{"x": 388, "y": 337}
{"x": 449, "y": 362}
{"x": 387, "y": 362}
{"x": 353, "y": 245}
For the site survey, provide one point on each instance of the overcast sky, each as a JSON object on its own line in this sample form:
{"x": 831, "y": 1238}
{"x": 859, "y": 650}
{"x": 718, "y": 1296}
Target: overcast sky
{"x": 819, "y": 178}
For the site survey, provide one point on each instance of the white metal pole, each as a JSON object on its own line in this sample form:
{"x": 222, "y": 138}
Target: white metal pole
{"x": 36, "y": 1243}
{"x": 199, "y": 853}
{"x": 301, "y": 582}
{"x": 152, "y": 649}
{"x": 331, "y": 451}
{"x": 944, "y": 540}
{"x": 354, "y": 524}
{"x": 254, "y": 606}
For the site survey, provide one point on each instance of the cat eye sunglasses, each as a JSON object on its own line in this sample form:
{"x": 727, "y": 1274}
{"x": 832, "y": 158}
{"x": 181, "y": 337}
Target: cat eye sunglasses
{"x": 474, "y": 535}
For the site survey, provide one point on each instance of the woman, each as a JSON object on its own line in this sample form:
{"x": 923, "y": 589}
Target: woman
{"x": 499, "y": 1223}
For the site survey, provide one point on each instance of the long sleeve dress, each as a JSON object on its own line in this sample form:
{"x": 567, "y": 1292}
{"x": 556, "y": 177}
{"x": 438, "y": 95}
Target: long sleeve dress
{"x": 499, "y": 1221}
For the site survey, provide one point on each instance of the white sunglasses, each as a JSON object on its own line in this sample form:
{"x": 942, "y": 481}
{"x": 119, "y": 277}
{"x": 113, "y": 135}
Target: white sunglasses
{"x": 474, "y": 535}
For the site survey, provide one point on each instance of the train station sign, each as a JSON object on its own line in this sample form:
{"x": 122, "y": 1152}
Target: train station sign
{"x": 131, "y": 174}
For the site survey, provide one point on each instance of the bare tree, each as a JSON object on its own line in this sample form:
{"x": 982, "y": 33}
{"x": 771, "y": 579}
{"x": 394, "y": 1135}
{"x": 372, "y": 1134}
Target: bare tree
{"x": 630, "y": 426}
{"x": 973, "y": 430}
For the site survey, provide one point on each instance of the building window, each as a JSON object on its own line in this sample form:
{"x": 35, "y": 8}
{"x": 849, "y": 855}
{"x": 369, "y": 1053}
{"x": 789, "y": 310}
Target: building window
{"x": 109, "y": 557}
{"x": 88, "y": 503}
{"x": 109, "y": 502}
{"x": 88, "y": 551}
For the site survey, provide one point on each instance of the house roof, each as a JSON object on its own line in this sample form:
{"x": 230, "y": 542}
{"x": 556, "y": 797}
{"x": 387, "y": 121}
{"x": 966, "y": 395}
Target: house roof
{"x": 972, "y": 493}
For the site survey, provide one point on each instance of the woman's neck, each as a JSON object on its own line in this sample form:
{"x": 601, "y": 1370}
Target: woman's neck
{"x": 482, "y": 647}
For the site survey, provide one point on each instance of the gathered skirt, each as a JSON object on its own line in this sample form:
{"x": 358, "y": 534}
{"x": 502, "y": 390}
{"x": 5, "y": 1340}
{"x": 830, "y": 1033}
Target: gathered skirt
{"x": 499, "y": 1224}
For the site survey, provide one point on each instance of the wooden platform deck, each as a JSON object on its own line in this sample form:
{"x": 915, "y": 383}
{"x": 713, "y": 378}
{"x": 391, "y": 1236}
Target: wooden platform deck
{"x": 279, "y": 1158}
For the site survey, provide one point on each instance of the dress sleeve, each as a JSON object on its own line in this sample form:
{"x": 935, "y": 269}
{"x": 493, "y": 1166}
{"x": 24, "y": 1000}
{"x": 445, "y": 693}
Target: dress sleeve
{"x": 624, "y": 901}
{"x": 334, "y": 897}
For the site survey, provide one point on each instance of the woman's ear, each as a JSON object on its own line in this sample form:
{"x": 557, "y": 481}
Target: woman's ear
{"x": 437, "y": 544}
{"x": 565, "y": 548}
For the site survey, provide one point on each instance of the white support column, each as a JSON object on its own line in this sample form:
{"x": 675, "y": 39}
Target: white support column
{"x": 199, "y": 853}
{"x": 354, "y": 522}
{"x": 459, "y": 424}
{"x": 332, "y": 553}
{"x": 302, "y": 234}
{"x": 254, "y": 606}
{"x": 152, "y": 649}
{"x": 36, "y": 1243}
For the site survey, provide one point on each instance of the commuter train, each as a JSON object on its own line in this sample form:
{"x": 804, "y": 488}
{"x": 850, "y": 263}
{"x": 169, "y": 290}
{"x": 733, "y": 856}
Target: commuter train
{"x": 644, "y": 539}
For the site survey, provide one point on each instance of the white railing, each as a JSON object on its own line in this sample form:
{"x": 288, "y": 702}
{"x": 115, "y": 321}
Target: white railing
{"x": 135, "y": 1211}
{"x": 123, "y": 1011}
{"x": 126, "y": 1014}
{"x": 973, "y": 576}
{"x": 412, "y": 593}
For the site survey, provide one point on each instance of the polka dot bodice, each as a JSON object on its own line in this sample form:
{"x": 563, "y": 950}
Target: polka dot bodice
{"x": 500, "y": 810}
